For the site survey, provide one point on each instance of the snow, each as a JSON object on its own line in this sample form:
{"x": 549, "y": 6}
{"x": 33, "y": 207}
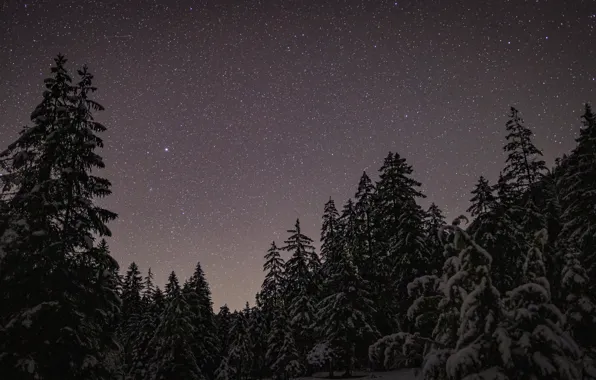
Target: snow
{"x": 400, "y": 374}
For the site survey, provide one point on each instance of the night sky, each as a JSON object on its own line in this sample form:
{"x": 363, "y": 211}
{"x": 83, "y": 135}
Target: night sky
{"x": 227, "y": 120}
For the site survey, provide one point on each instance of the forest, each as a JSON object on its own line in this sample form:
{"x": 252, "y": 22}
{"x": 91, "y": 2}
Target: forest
{"x": 508, "y": 294}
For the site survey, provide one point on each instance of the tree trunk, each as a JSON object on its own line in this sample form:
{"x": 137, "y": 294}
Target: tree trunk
{"x": 331, "y": 368}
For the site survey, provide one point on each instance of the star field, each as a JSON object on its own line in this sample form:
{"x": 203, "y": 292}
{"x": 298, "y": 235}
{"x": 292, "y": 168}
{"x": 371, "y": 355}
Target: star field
{"x": 227, "y": 120}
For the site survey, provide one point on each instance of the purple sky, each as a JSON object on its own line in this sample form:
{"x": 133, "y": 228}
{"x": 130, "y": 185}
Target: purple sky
{"x": 229, "y": 119}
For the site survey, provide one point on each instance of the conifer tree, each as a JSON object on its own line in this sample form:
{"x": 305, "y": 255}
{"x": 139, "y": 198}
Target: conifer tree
{"x": 57, "y": 286}
{"x": 534, "y": 345}
{"x": 483, "y": 199}
{"x": 345, "y": 315}
{"x": 476, "y": 352}
{"x": 578, "y": 196}
{"x": 148, "y": 288}
{"x": 330, "y": 233}
{"x": 434, "y": 221}
{"x": 240, "y": 352}
{"x": 224, "y": 371}
{"x": 224, "y": 325}
{"x": 524, "y": 164}
{"x": 301, "y": 289}
{"x": 272, "y": 290}
{"x": 173, "y": 358}
{"x": 364, "y": 251}
{"x": 580, "y": 309}
{"x": 205, "y": 345}
{"x": 402, "y": 248}
{"x": 173, "y": 288}
{"x": 132, "y": 310}
{"x": 282, "y": 355}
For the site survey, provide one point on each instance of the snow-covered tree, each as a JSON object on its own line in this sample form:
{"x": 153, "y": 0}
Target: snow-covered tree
{"x": 345, "y": 316}
{"x": 301, "y": 286}
{"x": 272, "y": 290}
{"x": 580, "y": 307}
{"x": 533, "y": 344}
{"x": 240, "y": 352}
{"x": 578, "y": 184}
{"x": 476, "y": 352}
{"x": 205, "y": 344}
{"x": 57, "y": 289}
{"x": 282, "y": 355}
{"x": 173, "y": 288}
{"x": 224, "y": 324}
{"x": 174, "y": 358}
{"x": 483, "y": 199}
{"x": 524, "y": 164}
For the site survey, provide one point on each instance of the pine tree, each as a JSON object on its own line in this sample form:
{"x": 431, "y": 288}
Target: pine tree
{"x": 301, "y": 289}
{"x": 132, "y": 288}
{"x": 364, "y": 252}
{"x": 401, "y": 245}
{"x": 578, "y": 196}
{"x": 345, "y": 315}
{"x": 434, "y": 221}
{"x": 173, "y": 288}
{"x": 240, "y": 352}
{"x": 534, "y": 344}
{"x": 476, "y": 352}
{"x": 205, "y": 345}
{"x": 273, "y": 285}
{"x": 331, "y": 240}
{"x": 580, "y": 310}
{"x": 57, "y": 286}
{"x": 224, "y": 371}
{"x": 148, "y": 288}
{"x": 173, "y": 358}
{"x": 282, "y": 355}
{"x": 483, "y": 199}
{"x": 257, "y": 328}
{"x": 224, "y": 325}
{"x": 524, "y": 165}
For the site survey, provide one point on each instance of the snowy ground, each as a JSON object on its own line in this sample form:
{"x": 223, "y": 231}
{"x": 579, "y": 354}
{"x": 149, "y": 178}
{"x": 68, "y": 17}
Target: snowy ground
{"x": 400, "y": 374}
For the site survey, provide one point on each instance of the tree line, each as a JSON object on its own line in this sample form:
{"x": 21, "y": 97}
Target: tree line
{"x": 507, "y": 295}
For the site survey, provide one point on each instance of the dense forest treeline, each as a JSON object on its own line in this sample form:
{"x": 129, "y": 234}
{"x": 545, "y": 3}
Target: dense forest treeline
{"x": 509, "y": 295}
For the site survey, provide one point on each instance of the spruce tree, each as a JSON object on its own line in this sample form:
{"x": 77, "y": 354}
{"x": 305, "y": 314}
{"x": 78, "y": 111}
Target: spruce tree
{"x": 483, "y": 199}
{"x": 282, "y": 355}
{"x": 148, "y": 288}
{"x": 578, "y": 196}
{"x": 205, "y": 344}
{"x": 580, "y": 310}
{"x": 331, "y": 241}
{"x": 301, "y": 289}
{"x": 344, "y": 316}
{"x": 224, "y": 325}
{"x": 524, "y": 164}
{"x": 174, "y": 358}
{"x": 364, "y": 252}
{"x": 434, "y": 221}
{"x": 272, "y": 290}
{"x": 173, "y": 288}
{"x": 403, "y": 253}
{"x": 57, "y": 286}
{"x": 476, "y": 352}
{"x": 132, "y": 287}
{"x": 535, "y": 345}
{"x": 240, "y": 352}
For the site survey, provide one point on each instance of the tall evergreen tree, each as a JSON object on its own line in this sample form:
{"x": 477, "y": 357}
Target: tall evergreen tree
{"x": 535, "y": 345}
{"x": 524, "y": 164}
{"x": 205, "y": 344}
{"x": 282, "y": 355}
{"x": 174, "y": 358}
{"x": 240, "y": 353}
{"x": 345, "y": 315}
{"x": 483, "y": 199}
{"x": 302, "y": 288}
{"x": 173, "y": 288}
{"x": 580, "y": 309}
{"x": 578, "y": 196}
{"x": 274, "y": 282}
{"x": 224, "y": 325}
{"x": 148, "y": 288}
{"x": 434, "y": 222}
{"x": 56, "y": 285}
{"x": 364, "y": 252}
